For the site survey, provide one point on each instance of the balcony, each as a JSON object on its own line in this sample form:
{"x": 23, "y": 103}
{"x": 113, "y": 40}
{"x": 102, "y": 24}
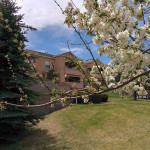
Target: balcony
{"x": 70, "y": 69}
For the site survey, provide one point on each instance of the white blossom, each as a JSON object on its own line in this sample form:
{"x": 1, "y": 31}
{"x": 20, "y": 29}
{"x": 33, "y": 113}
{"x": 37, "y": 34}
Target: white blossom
{"x": 122, "y": 32}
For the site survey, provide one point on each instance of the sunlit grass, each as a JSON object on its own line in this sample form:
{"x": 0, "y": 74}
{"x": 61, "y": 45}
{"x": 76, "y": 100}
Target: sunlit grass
{"x": 120, "y": 124}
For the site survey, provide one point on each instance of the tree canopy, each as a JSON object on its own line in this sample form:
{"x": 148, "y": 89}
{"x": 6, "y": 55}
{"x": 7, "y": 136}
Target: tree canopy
{"x": 122, "y": 29}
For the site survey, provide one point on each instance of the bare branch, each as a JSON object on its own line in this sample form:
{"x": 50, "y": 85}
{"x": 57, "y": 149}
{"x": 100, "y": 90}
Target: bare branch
{"x": 81, "y": 44}
{"x": 68, "y": 46}
{"x": 88, "y": 48}
{"x": 73, "y": 3}
{"x": 143, "y": 15}
{"x": 59, "y": 6}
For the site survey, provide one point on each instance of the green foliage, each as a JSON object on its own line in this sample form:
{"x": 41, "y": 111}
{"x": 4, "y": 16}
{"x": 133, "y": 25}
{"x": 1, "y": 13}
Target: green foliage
{"x": 14, "y": 73}
{"x": 96, "y": 98}
{"x": 80, "y": 100}
{"x": 104, "y": 98}
{"x": 147, "y": 86}
{"x": 52, "y": 74}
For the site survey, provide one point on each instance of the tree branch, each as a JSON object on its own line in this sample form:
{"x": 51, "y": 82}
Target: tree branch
{"x": 100, "y": 92}
{"x": 143, "y": 16}
{"x": 38, "y": 74}
{"x": 146, "y": 51}
{"x": 81, "y": 44}
{"x": 88, "y": 48}
{"x": 59, "y": 6}
{"x": 147, "y": 11}
{"x": 73, "y": 3}
{"x": 132, "y": 37}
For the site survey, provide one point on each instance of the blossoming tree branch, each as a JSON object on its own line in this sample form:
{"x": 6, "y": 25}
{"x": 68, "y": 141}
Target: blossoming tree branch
{"x": 122, "y": 29}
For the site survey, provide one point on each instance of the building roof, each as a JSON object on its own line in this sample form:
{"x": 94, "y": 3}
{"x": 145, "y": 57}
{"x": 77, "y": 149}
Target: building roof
{"x": 50, "y": 55}
{"x": 88, "y": 61}
{"x": 63, "y": 54}
{"x": 40, "y": 53}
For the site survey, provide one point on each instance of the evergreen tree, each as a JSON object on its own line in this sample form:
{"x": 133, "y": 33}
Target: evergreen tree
{"x": 14, "y": 73}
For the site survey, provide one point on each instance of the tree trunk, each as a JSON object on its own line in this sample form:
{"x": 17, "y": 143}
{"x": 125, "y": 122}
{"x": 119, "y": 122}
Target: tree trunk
{"x": 135, "y": 95}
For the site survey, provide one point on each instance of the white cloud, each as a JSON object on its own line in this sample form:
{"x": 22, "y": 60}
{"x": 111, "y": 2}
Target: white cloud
{"x": 43, "y": 13}
{"x": 76, "y": 51}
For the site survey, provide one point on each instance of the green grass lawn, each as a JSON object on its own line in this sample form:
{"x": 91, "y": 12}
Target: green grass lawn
{"x": 120, "y": 124}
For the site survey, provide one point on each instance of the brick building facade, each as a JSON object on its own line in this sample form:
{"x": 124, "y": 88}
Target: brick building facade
{"x": 45, "y": 62}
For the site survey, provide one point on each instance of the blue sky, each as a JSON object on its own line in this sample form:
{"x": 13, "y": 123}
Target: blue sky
{"x": 52, "y": 35}
{"x": 53, "y": 40}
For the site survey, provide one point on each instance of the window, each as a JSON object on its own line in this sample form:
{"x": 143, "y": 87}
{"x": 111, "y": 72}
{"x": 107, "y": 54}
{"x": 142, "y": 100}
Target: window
{"x": 69, "y": 65}
{"x": 72, "y": 79}
{"x": 47, "y": 65}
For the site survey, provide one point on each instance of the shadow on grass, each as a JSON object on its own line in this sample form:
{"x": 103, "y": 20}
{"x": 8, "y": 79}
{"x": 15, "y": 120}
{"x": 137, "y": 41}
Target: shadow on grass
{"x": 36, "y": 140}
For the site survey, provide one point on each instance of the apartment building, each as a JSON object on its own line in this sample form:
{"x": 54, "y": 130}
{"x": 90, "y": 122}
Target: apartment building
{"x": 45, "y": 62}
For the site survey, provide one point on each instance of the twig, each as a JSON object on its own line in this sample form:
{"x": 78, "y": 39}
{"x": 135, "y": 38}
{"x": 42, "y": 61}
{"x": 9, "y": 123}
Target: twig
{"x": 73, "y": 3}
{"x": 68, "y": 46}
{"x": 81, "y": 44}
{"x": 143, "y": 15}
{"x": 59, "y": 6}
{"x": 132, "y": 37}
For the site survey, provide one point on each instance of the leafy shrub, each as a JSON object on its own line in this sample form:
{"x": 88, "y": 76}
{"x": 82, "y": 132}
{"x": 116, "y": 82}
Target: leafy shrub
{"x": 104, "y": 98}
{"x": 52, "y": 74}
{"x": 96, "y": 98}
{"x": 79, "y": 100}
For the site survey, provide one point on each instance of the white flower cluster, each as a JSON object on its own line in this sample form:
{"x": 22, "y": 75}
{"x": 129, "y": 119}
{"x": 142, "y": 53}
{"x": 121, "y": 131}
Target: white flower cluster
{"x": 90, "y": 89}
{"x": 85, "y": 98}
{"x": 123, "y": 38}
{"x": 122, "y": 29}
{"x": 137, "y": 86}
